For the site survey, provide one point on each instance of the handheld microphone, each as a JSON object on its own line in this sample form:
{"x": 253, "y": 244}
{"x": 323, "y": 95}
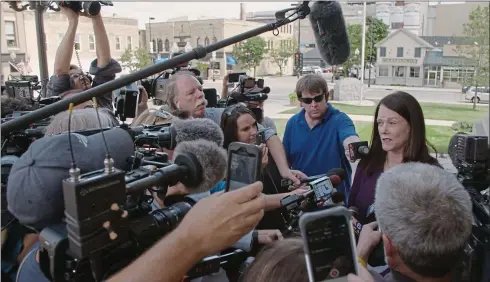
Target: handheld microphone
{"x": 327, "y": 21}
{"x": 358, "y": 150}
{"x": 338, "y": 172}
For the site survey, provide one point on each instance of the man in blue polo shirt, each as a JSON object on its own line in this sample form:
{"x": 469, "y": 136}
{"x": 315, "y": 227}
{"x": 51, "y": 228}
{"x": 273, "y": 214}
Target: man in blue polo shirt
{"x": 317, "y": 138}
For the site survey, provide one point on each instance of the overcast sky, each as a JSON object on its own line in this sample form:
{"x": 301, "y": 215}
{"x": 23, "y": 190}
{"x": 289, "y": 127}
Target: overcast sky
{"x": 162, "y": 11}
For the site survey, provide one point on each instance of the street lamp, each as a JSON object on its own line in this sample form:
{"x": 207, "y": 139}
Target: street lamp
{"x": 298, "y": 67}
{"x": 357, "y": 67}
{"x": 149, "y": 29}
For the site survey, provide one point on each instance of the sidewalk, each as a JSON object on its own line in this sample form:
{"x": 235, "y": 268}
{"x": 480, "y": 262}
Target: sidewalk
{"x": 367, "y": 118}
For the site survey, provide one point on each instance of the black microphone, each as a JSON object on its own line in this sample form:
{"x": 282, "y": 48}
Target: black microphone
{"x": 377, "y": 257}
{"x": 330, "y": 31}
{"x": 199, "y": 165}
{"x": 181, "y": 131}
{"x": 334, "y": 171}
{"x": 357, "y": 150}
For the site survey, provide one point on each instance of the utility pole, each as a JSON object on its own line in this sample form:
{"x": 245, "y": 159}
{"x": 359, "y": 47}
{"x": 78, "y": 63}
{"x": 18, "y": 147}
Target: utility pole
{"x": 41, "y": 45}
{"x": 370, "y": 51}
{"x": 149, "y": 29}
{"x": 363, "y": 47}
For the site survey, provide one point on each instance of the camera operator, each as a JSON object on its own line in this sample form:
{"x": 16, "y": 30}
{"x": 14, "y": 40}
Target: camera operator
{"x": 425, "y": 217}
{"x": 81, "y": 119}
{"x": 398, "y": 137}
{"x": 182, "y": 95}
{"x": 68, "y": 77}
{"x": 239, "y": 125}
{"x": 316, "y": 138}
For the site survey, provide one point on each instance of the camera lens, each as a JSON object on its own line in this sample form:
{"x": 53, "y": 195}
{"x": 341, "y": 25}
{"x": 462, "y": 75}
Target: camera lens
{"x": 166, "y": 219}
{"x": 91, "y": 7}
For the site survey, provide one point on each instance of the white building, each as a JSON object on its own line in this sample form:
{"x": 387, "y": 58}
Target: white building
{"x": 409, "y": 15}
{"x": 18, "y": 36}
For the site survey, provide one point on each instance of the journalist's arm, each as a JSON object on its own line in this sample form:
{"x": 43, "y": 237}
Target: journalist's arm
{"x": 213, "y": 224}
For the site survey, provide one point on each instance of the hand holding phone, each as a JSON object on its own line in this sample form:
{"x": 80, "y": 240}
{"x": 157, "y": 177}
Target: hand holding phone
{"x": 329, "y": 244}
{"x": 264, "y": 151}
{"x": 244, "y": 165}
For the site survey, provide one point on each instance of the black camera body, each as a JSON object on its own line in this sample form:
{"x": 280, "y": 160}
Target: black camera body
{"x": 90, "y": 7}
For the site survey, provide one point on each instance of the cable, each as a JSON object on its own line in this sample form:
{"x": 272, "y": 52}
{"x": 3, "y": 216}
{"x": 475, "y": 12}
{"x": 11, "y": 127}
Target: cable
{"x": 73, "y": 163}
{"x": 108, "y": 155}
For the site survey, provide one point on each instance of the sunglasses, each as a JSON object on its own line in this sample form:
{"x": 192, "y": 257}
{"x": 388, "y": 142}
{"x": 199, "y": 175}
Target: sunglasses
{"x": 317, "y": 99}
{"x": 232, "y": 109}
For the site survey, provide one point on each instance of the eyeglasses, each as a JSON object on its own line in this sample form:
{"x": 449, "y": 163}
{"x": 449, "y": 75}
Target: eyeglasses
{"x": 317, "y": 99}
{"x": 232, "y": 109}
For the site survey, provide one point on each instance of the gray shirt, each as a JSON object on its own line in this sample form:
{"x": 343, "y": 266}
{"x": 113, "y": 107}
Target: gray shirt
{"x": 215, "y": 115}
{"x": 58, "y": 84}
{"x": 269, "y": 123}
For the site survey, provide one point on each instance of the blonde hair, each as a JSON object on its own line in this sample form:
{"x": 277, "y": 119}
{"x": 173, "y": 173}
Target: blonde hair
{"x": 81, "y": 119}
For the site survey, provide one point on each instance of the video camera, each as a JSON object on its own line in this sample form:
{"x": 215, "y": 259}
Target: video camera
{"x": 23, "y": 87}
{"x": 248, "y": 89}
{"x": 109, "y": 218}
{"x": 470, "y": 156}
{"x": 90, "y": 7}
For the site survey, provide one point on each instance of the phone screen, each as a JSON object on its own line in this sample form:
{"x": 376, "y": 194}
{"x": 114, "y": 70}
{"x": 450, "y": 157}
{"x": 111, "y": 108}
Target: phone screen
{"x": 242, "y": 170}
{"x": 330, "y": 248}
{"x": 323, "y": 188}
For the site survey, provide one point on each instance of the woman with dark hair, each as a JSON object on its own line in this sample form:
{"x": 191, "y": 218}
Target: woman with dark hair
{"x": 240, "y": 125}
{"x": 398, "y": 137}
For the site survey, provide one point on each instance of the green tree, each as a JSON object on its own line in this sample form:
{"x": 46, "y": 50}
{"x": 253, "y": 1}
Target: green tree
{"x": 135, "y": 60}
{"x": 376, "y": 31}
{"x": 282, "y": 53}
{"x": 477, "y": 52}
{"x": 251, "y": 52}
{"x": 354, "y": 31}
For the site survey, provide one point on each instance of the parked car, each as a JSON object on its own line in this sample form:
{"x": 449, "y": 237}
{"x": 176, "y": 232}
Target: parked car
{"x": 465, "y": 89}
{"x": 481, "y": 96}
{"x": 317, "y": 69}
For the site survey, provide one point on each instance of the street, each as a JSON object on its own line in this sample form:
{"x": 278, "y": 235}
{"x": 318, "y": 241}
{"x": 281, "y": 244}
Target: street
{"x": 282, "y": 86}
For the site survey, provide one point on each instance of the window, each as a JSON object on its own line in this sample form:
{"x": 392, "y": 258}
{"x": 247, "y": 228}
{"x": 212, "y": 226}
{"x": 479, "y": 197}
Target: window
{"x": 167, "y": 45}
{"x": 118, "y": 43}
{"x": 399, "y": 71}
{"x": 10, "y": 34}
{"x": 399, "y": 52}
{"x": 77, "y": 42}
{"x": 215, "y": 39}
{"x": 160, "y": 45}
{"x": 197, "y": 41}
{"x": 129, "y": 43}
{"x": 414, "y": 71}
{"x": 91, "y": 42}
{"x": 383, "y": 71}
{"x": 153, "y": 46}
{"x": 418, "y": 52}
{"x": 206, "y": 41}
{"x": 382, "y": 51}
{"x": 459, "y": 75}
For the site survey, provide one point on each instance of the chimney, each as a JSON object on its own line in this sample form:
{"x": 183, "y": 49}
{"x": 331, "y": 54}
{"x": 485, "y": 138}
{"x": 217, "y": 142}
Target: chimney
{"x": 243, "y": 15}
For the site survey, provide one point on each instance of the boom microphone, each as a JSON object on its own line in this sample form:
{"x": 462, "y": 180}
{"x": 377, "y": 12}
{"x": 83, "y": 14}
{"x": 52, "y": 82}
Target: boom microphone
{"x": 330, "y": 31}
{"x": 200, "y": 128}
{"x": 211, "y": 158}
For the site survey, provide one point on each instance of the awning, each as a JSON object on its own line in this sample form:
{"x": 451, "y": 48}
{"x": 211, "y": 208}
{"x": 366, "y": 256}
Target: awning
{"x": 230, "y": 60}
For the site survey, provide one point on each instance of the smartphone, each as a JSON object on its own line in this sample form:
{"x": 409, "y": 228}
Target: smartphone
{"x": 323, "y": 188}
{"x": 329, "y": 244}
{"x": 260, "y": 137}
{"x": 234, "y": 77}
{"x": 244, "y": 165}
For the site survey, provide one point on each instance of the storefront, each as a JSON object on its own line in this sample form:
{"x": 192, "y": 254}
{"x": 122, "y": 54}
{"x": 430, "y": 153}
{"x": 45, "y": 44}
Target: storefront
{"x": 446, "y": 71}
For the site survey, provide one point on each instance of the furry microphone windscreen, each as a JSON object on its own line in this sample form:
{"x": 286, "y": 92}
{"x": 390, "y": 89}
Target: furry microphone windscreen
{"x": 199, "y": 128}
{"x": 212, "y": 159}
{"x": 327, "y": 21}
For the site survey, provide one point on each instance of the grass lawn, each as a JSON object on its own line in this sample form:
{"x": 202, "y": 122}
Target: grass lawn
{"x": 438, "y": 136}
{"x": 431, "y": 111}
